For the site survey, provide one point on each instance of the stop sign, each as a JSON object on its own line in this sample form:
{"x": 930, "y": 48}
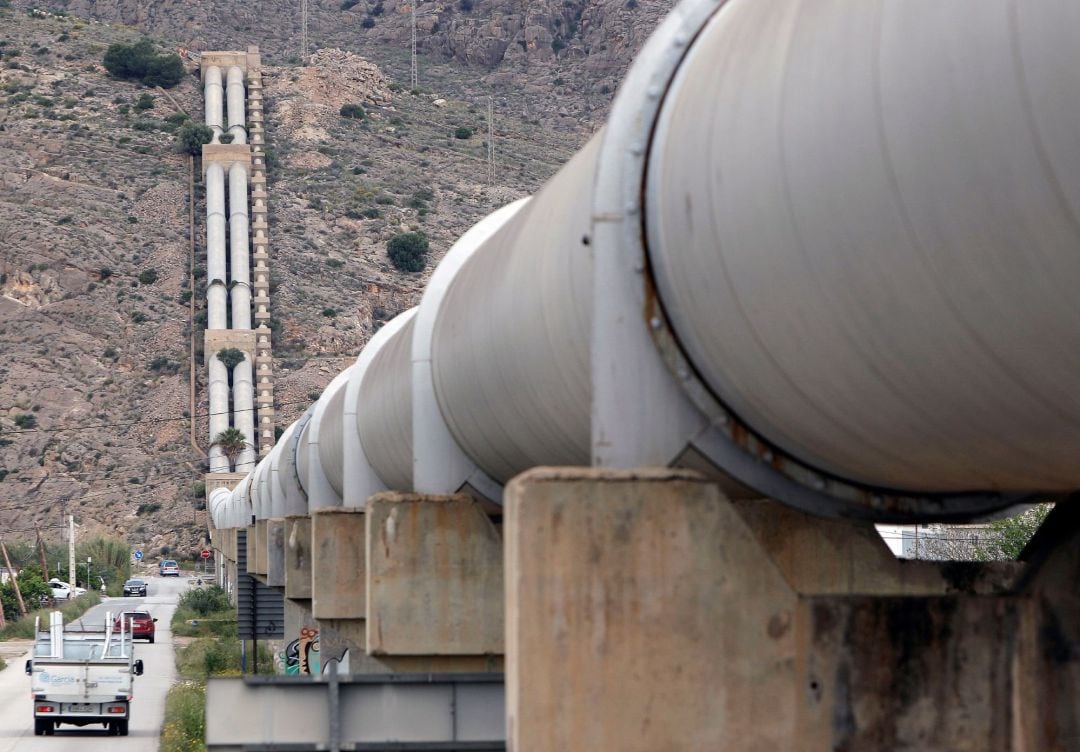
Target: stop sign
{"x": 205, "y": 553}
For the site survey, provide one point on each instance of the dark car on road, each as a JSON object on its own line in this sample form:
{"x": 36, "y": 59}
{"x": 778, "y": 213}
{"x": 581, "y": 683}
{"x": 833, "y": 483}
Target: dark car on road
{"x": 138, "y": 623}
{"x": 135, "y": 587}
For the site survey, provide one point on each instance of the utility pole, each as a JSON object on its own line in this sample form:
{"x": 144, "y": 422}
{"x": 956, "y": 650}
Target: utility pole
{"x": 71, "y": 552}
{"x": 41, "y": 553}
{"x": 413, "y": 70}
{"x": 491, "y": 141}
{"x": 14, "y": 580}
{"x": 303, "y": 32}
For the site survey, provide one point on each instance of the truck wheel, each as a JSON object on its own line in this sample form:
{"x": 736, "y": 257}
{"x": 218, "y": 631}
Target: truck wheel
{"x": 50, "y": 728}
{"x": 39, "y": 727}
{"x": 123, "y": 727}
{"x": 151, "y": 638}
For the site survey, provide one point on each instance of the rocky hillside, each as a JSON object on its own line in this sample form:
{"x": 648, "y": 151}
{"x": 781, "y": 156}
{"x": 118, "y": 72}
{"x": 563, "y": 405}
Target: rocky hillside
{"x": 558, "y": 61}
{"x": 95, "y": 405}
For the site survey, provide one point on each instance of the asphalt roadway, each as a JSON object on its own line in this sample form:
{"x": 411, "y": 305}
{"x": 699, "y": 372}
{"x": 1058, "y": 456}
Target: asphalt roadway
{"x": 147, "y": 707}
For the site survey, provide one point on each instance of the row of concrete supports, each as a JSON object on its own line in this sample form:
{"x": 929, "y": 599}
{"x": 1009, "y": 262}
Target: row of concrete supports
{"x": 642, "y": 610}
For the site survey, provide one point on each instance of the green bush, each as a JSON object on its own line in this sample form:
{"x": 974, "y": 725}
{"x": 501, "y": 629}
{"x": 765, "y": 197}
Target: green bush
{"x": 25, "y": 421}
{"x": 148, "y": 277}
{"x": 139, "y": 62}
{"x": 408, "y": 251}
{"x": 73, "y": 609}
{"x": 144, "y": 102}
{"x": 32, "y": 587}
{"x": 354, "y": 111}
{"x": 204, "y": 601}
{"x": 185, "y": 718}
{"x": 191, "y": 137}
{"x": 463, "y": 132}
{"x": 230, "y": 357}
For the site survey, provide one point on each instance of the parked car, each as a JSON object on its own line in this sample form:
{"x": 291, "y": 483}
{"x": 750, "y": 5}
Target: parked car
{"x": 135, "y": 587}
{"x": 61, "y": 591}
{"x": 168, "y": 568}
{"x": 139, "y": 623}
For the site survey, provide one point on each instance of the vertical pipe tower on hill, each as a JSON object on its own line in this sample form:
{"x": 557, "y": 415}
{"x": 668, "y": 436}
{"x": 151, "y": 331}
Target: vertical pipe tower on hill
{"x": 233, "y": 164}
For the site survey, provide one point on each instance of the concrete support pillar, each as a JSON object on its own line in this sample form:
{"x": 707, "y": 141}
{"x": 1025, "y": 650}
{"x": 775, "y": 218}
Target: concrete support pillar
{"x": 434, "y": 570}
{"x": 244, "y": 412}
{"x": 646, "y": 611}
{"x": 640, "y": 617}
{"x": 252, "y": 547}
{"x": 338, "y": 563}
{"x": 258, "y": 563}
{"x": 275, "y": 552}
{"x": 298, "y": 557}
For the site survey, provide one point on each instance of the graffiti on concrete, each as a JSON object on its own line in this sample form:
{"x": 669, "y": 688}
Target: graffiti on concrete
{"x": 302, "y": 654}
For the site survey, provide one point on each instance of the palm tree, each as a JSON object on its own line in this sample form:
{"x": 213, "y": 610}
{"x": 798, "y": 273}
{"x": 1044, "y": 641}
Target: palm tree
{"x": 232, "y": 442}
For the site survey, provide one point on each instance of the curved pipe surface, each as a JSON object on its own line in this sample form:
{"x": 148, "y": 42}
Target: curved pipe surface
{"x": 283, "y": 484}
{"x": 384, "y": 421}
{"x": 360, "y": 478}
{"x": 439, "y": 464}
{"x": 212, "y": 96}
{"x": 218, "y": 420}
{"x": 217, "y": 506}
{"x": 243, "y": 400}
{"x": 321, "y": 490}
{"x": 510, "y": 348}
{"x": 238, "y": 245}
{"x": 234, "y": 92}
{"x": 873, "y": 265}
{"x": 330, "y": 427}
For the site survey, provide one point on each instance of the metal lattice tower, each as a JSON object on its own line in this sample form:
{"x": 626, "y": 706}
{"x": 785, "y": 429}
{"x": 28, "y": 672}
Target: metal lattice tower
{"x": 413, "y": 69}
{"x": 304, "y": 31}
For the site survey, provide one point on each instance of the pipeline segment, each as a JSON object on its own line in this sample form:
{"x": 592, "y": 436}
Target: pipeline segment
{"x": 875, "y": 271}
{"x": 237, "y": 107}
{"x": 846, "y": 237}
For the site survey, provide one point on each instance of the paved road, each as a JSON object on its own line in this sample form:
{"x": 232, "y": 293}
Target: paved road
{"x": 147, "y": 709}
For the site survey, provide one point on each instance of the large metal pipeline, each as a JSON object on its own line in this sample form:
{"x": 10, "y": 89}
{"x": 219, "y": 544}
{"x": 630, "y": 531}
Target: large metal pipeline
{"x": 239, "y": 261}
{"x": 847, "y": 237}
{"x": 510, "y": 347}
{"x": 243, "y": 399}
{"x": 237, "y": 106}
{"x": 216, "y": 306}
{"x": 875, "y": 272}
{"x": 212, "y": 96}
{"x": 385, "y": 421}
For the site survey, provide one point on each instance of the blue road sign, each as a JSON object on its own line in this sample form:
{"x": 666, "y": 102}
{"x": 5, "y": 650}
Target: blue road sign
{"x": 138, "y": 554}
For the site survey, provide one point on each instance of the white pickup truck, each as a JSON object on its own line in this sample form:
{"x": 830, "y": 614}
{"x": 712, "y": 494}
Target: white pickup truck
{"x": 82, "y": 677}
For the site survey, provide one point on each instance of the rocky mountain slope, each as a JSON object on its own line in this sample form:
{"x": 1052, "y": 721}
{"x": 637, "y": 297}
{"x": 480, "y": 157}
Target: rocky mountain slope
{"x": 95, "y": 245}
{"x": 558, "y": 61}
